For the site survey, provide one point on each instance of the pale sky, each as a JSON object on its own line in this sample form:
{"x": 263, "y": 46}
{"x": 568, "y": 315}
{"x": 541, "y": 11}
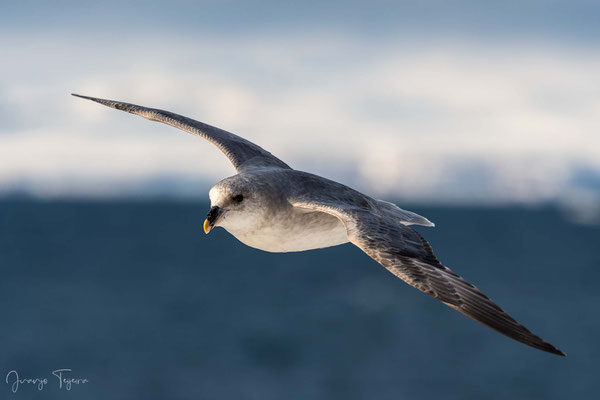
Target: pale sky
{"x": 461, "y": 103}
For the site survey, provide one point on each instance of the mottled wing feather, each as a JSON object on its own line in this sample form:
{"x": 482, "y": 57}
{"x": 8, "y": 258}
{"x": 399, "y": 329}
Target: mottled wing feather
{"x": 409, "y": 256}
{"x": 241, "y": 152}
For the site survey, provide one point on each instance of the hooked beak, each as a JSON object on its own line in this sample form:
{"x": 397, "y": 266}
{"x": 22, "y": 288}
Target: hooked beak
{"x": 212, "y": 217}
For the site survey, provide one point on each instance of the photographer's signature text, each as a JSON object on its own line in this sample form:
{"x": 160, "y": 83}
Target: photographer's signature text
{"x": 61, "y": 376}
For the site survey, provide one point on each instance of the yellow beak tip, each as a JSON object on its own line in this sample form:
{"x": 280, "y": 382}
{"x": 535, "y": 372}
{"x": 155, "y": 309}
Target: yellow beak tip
{"x": 207, "y": 226}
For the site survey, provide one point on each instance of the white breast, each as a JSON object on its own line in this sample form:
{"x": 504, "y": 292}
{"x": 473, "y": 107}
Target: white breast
{"x": 296, "y": 231}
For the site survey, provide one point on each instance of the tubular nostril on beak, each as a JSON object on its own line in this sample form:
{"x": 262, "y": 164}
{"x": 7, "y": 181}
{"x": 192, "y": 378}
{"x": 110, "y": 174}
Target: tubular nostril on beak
{"x": 211, "y": 218}
{"x": 213, "y": 214}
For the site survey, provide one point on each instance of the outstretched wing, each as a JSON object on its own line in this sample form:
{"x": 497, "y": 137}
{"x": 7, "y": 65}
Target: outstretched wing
{"x": 241, "y": 152}
{"x": 408, "y": 256}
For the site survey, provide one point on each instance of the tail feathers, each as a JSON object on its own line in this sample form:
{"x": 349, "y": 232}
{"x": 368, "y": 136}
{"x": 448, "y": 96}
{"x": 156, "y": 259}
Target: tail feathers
{"x": 405, "y": 217}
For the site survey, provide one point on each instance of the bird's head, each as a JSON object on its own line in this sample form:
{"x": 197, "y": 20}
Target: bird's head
{"x": 239, "y": 203}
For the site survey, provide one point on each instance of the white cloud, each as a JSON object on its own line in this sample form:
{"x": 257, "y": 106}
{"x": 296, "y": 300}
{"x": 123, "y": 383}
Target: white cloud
{"x": 434, "y": 121}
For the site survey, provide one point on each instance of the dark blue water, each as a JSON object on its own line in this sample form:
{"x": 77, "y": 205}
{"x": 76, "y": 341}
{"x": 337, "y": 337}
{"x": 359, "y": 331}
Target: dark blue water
{"x": 133, "y": 297}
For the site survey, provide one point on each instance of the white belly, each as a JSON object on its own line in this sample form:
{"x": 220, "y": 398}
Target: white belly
{"x": 300, "y": 231}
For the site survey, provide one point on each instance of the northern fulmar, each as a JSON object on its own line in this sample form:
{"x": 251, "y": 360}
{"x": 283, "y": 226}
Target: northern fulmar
{"x": 272, "y": 207}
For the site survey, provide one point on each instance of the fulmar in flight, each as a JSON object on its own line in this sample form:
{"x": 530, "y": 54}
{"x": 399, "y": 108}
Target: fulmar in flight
{"x": 272, "y": 207}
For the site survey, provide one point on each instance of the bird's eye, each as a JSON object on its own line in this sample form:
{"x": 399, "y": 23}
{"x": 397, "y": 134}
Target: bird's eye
{"x": 238, "y": 198}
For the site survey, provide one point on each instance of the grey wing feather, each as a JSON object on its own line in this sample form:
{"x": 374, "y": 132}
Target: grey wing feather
{"x": 409, "y": 256}
{"x": 241, "y": 152}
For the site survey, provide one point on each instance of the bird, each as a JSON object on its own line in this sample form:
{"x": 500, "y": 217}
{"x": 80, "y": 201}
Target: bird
{"x": 272, "y": 207}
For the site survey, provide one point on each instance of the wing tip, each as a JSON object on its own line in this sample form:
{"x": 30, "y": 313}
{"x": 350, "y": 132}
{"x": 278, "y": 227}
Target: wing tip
{"x": 551, "y": 349}
{"x": 84, "y": 97}
{"x": 118, "y": 105}
{"x": 522, "y": 335}
{"x": 97, "y": 100}
{"x": 81, "y": 96}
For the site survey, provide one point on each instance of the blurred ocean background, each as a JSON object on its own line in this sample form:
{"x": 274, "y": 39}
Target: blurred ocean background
{"x": 481, "y": 116}
{"x": 133, "y": 296}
